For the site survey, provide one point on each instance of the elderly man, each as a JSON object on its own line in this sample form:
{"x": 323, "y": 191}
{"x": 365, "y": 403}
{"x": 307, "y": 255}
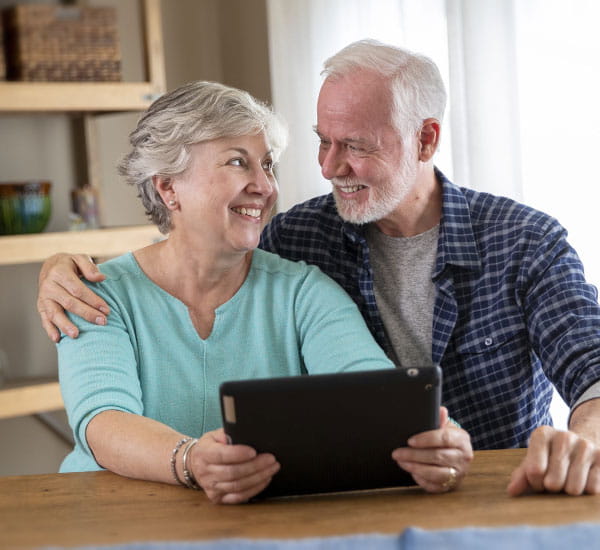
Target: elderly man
{"x": 485, "y": 287}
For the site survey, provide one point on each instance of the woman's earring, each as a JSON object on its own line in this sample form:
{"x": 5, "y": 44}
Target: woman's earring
{"x": 172, "y": 202}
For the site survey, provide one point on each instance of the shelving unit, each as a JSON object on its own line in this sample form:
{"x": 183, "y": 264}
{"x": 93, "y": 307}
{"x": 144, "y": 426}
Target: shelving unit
{"x": 21, "y": 249}
{"x": 85, "y": 99}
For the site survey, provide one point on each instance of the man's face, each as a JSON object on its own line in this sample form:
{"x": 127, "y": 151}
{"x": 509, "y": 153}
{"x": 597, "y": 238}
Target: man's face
{"x": 360, "y": 151}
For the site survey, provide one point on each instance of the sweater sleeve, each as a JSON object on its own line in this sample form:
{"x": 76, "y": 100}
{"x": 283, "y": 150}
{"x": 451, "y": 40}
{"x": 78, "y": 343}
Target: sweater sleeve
{"x": 98, "y": 370}
{"x": 333, "y": 334}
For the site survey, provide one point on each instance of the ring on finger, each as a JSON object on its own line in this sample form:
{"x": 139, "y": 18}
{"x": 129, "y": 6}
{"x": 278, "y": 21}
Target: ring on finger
{"x": 450, "y": 483}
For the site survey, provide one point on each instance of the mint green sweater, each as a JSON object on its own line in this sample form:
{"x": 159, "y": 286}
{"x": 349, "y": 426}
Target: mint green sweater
{"x": 286, "y": 319}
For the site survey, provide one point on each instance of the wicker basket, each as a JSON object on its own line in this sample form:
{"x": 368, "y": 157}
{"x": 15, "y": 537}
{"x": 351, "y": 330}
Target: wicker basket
{"x": 62, "y": 43}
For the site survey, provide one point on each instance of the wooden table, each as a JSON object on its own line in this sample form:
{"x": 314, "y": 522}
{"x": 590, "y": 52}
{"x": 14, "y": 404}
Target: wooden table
{"x": 103, "y": 508}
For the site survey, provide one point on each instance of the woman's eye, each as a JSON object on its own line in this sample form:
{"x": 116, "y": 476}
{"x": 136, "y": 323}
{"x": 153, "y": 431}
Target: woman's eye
{"x": 268, "y": 165}
{"x": 237, "y": 162}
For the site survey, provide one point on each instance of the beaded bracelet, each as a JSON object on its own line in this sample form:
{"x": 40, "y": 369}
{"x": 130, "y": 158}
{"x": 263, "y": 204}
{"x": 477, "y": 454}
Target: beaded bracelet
{"x": 188, "y": 476}
{"x": 174, "y": 458}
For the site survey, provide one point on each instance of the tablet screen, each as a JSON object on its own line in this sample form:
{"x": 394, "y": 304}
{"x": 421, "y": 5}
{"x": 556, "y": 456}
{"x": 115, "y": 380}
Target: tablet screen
{"x": 333, "y": 432}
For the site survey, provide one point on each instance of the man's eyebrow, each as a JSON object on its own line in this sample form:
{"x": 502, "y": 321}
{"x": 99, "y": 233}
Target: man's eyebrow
{"x": 357, "y": 140}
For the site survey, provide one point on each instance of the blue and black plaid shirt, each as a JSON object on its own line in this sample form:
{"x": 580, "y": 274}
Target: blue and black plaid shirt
{"x": 512, "y": 312}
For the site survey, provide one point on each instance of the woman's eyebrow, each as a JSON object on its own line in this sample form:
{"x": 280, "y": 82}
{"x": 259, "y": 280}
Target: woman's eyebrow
{"x": 245, "y": 152}
{"x": 240, "y": 150}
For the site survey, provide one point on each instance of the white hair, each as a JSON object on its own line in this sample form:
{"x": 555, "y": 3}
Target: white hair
{"x": 415, "y": 82}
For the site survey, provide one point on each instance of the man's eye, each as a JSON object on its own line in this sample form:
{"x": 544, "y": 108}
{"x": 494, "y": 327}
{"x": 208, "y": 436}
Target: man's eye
{"x": 354, "y": 148}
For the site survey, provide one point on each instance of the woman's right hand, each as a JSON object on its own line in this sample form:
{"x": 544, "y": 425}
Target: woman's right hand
{"x": 230, "y": 474}
{"x": 60, "y": 288}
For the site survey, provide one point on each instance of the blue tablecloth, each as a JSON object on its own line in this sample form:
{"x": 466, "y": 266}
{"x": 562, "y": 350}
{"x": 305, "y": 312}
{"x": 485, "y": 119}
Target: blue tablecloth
{"x": 564, "y": 537}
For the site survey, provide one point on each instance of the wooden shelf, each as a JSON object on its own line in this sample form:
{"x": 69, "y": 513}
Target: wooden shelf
{"x": 30, "y": 396}
{"x": 40, "y": 97}
{"x": 21, "y": 249}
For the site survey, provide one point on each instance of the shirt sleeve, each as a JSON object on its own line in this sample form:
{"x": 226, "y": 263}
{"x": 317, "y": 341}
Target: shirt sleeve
{"x": 98, "y": 370}
{"x": 564, "y": 316}
{"x": 593, "y": 392}
{"x": 333, "y": 334}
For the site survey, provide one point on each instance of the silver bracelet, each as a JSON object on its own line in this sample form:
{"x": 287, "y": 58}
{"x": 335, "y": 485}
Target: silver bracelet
{"x": 174, "y": 459}
{"x": 188, "y": 476}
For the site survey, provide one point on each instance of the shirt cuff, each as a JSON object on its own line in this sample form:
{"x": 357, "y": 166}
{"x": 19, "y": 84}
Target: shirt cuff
{"x": 593, "y": 392}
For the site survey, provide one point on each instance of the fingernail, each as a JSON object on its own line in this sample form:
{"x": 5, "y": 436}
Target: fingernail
{"x": 411, "y": 441}
{"x": 104, "y": 310}
{"x": 100, "y": 320}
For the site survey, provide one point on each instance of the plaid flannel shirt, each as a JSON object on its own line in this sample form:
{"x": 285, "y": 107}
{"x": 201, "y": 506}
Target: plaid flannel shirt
{"x": 512, "y": 314}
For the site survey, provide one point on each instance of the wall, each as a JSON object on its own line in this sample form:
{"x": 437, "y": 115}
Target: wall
{"x": 222, "y": 40}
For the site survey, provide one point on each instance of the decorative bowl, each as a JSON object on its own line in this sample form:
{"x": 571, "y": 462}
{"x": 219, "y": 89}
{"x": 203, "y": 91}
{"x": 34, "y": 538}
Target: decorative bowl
{"x": 25, "y": 207}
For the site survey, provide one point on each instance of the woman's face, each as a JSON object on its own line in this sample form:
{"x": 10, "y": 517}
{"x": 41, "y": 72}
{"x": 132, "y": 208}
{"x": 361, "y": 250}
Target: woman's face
{"x": 226, "y": 194}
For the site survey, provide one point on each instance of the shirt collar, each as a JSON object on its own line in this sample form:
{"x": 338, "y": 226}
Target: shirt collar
{"x": 456, "y": 243}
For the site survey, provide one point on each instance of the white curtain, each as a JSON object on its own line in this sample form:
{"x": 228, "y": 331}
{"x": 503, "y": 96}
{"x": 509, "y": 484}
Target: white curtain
{"x": 484, "y": 111}
{"x": 558, "y": 73}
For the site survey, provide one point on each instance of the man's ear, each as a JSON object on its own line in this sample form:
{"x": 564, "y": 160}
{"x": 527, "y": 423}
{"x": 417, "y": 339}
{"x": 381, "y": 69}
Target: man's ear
{"x": 164, "y": 188}
{"x": 429, "y": 139}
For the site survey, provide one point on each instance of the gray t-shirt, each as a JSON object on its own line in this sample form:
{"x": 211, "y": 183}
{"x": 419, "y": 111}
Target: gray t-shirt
{"x": 405, "y": 294}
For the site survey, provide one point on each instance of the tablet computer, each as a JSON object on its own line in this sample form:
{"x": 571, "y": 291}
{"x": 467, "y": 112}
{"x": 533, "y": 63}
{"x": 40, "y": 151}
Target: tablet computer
{"x": 333, "y": 432}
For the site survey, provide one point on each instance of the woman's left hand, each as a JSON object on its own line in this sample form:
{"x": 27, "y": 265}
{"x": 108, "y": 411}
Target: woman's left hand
{"x": 438, "y": 460}
{"x": 230, "y": 474}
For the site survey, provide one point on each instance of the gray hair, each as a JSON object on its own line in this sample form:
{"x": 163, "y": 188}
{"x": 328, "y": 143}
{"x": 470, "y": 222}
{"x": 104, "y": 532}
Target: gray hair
{"x": 415, "y": 82}
{"x": 196, "y": 112}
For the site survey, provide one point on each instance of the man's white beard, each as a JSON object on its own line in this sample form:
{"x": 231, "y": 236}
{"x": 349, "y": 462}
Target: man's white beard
{"x": 383, "y": 199}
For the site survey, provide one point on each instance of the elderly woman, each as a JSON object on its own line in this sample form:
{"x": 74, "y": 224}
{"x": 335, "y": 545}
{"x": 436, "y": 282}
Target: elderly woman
{"x": 202, "y": 306}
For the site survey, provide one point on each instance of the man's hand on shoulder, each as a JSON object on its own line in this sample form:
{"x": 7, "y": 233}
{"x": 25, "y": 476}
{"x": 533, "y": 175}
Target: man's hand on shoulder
{"x": 61, "y": 288}
{"x": 563, "y": 461}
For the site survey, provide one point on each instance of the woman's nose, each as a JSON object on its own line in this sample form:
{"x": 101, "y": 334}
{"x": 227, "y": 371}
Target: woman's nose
{"x": 262, "y": 183}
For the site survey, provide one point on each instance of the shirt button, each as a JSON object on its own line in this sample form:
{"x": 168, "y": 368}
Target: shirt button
{"x": 488, "y": 341}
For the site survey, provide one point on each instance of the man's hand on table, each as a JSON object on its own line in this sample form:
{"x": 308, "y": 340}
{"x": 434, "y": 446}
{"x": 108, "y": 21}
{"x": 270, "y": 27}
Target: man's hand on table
{"x": 60, "y": 288}
{"x": 563, "y": 461}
